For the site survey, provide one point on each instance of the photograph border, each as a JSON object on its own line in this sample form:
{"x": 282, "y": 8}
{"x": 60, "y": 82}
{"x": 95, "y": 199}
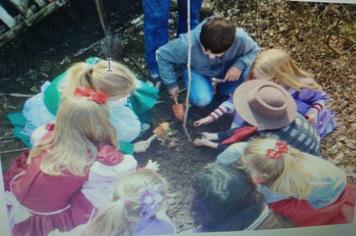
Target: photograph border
{"x": 340, "y": 229}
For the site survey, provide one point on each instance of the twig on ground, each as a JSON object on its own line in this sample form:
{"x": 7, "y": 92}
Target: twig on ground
{"x": 17, "y": 95}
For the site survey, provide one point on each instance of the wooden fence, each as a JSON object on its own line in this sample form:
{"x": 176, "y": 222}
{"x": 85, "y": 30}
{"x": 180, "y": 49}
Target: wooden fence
{"x": 28, "y": 12}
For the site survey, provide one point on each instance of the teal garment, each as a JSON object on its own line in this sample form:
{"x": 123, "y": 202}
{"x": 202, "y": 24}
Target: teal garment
{"x": 125, "y": 147}
{"x": 143, "y": 100}
{"x": 18, "y": 122}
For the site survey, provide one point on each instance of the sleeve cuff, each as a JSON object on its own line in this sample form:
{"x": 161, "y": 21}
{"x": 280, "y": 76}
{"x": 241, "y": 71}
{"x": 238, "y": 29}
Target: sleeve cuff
{"x": 240, "y": 65}
{"x": 126, "y": 148}
{"x": 171, "y": 85}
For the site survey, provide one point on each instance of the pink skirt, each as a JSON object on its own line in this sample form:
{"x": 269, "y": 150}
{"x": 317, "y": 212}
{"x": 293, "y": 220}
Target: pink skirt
{"x": 80, "y": 210}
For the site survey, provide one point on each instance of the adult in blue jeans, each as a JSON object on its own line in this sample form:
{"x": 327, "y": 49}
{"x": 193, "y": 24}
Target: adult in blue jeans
{"x": 218, "y": 50}
{"x": 156, "y": 15}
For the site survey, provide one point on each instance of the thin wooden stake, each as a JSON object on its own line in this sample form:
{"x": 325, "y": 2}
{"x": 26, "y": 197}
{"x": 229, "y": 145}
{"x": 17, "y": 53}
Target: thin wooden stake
{"x": 187, "y": 104}
{"x": 21, "y": 95}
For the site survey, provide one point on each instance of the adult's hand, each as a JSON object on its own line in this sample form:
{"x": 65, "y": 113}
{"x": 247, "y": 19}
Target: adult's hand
{"x": 232, "y": 74}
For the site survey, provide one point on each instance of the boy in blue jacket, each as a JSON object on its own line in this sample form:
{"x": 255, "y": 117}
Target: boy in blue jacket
{"x": 218, "y": 50}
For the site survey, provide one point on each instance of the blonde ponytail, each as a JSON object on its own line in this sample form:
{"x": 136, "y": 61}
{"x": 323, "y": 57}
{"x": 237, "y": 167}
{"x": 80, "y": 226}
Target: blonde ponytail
{"x": 284, "y": 174}
{"x": 293, "y": 181}
{"x": 118, "y": 82}
{"x": 79, "y": 75}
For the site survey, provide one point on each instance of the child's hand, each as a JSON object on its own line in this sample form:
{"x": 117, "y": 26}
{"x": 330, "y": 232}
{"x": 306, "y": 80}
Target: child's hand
{"x": 174, "y": 92}
{"x": 204, "y": 142}
{"x": 152, "y": 165}
{"x": 201, "y": 142}
{"x": 141, "y": 146}
{"x": 203, "y": 121}
{"x": 312, "y": 115}
{"x": 210, "y": 136}
{"x": 232, "y": 74}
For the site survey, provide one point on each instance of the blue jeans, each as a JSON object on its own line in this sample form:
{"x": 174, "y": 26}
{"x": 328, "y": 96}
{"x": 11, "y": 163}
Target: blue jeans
{"x": 202, "y": 90}
{"x": 156, "y": 14}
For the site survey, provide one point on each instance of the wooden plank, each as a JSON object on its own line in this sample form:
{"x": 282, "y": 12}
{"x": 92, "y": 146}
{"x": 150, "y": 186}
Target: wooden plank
{"x": 6, "y": 17}
{"x": 20, "y": 6}
{"x": 23, "y": 25}
{"x": 45, "y": 11}
{"x": 40, "y": 3}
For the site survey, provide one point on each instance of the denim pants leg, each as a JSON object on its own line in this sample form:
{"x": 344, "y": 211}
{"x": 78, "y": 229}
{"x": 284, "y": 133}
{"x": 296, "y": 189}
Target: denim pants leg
{"x": 156, "y": 14}
{"x": 229, "y": 87}
{"x": 202, "y": 90}
{"x": 195, "y": 6}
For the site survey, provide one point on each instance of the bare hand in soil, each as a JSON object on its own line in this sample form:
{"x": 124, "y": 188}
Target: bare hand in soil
{"x": 210, "y": 136}
{"x": 152, "y": 165}
{"x": 232, "y": 74}
{"x": 141, "y": 146}
{"x": 203, "y": 121}
{"x": 204, "y": 142}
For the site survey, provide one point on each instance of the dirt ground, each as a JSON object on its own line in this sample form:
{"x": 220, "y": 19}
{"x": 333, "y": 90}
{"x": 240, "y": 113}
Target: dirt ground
{"x": 321, "y": 38}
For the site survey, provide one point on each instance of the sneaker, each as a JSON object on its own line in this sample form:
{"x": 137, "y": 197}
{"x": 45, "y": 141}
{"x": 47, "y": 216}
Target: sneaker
{"x": 155, "y": 79}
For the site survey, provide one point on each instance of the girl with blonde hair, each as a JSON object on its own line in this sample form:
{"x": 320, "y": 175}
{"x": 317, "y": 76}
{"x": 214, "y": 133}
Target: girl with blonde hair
{"x": 129, "y": 99}
{"x": 138, "y": 209}
{"x": 277, "y": 66}
{"x": 305, "y": 188}
{"x": 43, "y": 186}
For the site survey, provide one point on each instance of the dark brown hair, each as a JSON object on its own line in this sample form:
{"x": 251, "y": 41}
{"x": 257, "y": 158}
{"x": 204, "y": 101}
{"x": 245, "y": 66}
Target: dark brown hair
{"x": 217, "y": 35}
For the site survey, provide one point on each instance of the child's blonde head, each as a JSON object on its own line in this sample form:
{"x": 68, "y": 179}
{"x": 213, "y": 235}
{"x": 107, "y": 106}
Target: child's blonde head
{"x": 81, "y": 126}
{"x": 117, "y": 83}
{"x": 284, "y": 174}
{"x": 278, "y": 65}
{"x": 128, "y": 208}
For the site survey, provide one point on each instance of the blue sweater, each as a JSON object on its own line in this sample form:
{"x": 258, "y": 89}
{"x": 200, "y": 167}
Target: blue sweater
{"x": 241, "y": 54}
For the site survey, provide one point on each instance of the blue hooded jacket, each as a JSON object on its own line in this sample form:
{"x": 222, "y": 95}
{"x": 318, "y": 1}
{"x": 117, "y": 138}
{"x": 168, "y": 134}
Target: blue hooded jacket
{"x": 241, "y": 54}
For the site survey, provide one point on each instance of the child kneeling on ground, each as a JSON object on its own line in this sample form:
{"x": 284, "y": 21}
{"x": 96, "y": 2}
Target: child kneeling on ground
{"x": 218, "y": 50}
{"x": 44, "y": 186}
{"x": 305, "y": 188}
{"x": 128, "y": 113}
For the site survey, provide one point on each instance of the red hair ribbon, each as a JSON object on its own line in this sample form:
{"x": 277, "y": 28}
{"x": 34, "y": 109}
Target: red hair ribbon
{"x": 280, "y": 149}
{"x": 96, "y": 96}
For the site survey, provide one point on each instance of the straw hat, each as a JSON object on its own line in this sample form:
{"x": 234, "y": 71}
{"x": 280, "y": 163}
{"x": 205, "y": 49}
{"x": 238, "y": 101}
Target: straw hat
{"x": 264, "y": 104}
